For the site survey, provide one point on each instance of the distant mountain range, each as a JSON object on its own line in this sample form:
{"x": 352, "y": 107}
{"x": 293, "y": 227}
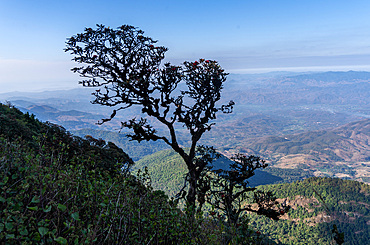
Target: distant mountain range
{"x": 70, "y": 119}
{"x": 329, "y": 88}
{"x": 346, "y": 143}
{"x": 317, "y": 123}
{"x": 310, "y": 100}
{"x": 341, "y": 152}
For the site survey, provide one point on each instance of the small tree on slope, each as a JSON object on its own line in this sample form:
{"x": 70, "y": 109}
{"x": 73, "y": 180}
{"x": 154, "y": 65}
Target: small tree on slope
{"x": 126, "y": 68}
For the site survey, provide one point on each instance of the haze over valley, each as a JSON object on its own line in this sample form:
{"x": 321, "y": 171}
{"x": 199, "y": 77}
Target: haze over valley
{"x": 317, "y": 123}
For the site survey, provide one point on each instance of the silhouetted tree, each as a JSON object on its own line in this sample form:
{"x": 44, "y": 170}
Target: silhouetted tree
{"x": 126, "y": 68}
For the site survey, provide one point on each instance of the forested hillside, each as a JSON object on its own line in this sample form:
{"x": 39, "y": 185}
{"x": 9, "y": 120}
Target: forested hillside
{"x": 57, "y": 188}
{"x": 317, "y": 203}
{"x": 60, "y": 189}
{"x": 167, "y": 171}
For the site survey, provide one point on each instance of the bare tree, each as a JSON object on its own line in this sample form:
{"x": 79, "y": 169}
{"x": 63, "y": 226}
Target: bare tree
{"x": 126, "y": 68}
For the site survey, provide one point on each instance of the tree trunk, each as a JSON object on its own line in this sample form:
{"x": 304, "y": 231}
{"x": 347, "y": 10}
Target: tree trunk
{"x": 191, "y": 197}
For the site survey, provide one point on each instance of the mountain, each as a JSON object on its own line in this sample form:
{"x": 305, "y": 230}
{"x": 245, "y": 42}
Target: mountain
{"x": 71, "y": 119}
{"x": 325, "y": 78}
{"x": 328, "y": 88}
{"x": 269, "y": 108}
{"x": 341, "y": 152}
{"x": 295, "y": 102}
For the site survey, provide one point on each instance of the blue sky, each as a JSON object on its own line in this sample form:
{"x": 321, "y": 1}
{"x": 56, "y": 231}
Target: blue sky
{"x": 245, "y": 36}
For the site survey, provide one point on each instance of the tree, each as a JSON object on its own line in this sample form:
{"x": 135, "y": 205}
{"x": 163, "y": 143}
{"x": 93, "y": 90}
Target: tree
{"x": 229, "y": 189}
{"x": 126, "y": 68}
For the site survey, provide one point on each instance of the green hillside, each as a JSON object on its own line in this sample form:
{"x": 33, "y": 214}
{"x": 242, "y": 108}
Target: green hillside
{"x": 60, "y": 189}
{"x": 168, "y": 170}
{"x": 317, "y": 203}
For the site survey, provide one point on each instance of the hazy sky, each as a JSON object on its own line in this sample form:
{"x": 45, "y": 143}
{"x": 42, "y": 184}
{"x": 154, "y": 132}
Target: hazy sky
{"x": 245, "y": 36}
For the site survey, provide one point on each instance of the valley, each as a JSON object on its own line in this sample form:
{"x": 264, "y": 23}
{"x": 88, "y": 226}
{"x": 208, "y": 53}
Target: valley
{"x": 315, "y": 123}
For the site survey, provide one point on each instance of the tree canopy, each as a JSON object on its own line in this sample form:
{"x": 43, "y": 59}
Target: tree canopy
{"x": 126, "y": 68}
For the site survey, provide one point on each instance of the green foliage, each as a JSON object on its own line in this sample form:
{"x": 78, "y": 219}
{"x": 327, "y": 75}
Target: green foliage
{"x": 167, "y": 170}
{"x": 334, "y": 189}
{"x": 289, "y": 175}
{"x": 325, "y": 203}
{"x": 51, "y": 140}
{"x": 44, "y": 202}
{"x": 53, "y": 194}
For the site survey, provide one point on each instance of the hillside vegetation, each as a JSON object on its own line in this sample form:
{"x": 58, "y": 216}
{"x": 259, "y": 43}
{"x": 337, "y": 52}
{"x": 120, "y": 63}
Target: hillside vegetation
{"x": 317, "y": 203}
{"x": 56, "y": 188}
{"x": 167, "y": 171}
{"x": 60, "y": 189}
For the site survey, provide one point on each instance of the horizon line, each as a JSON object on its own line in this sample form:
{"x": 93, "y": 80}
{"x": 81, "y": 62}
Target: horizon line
{"x": 247, "y": 71}
{"x": 309, "y": 69}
